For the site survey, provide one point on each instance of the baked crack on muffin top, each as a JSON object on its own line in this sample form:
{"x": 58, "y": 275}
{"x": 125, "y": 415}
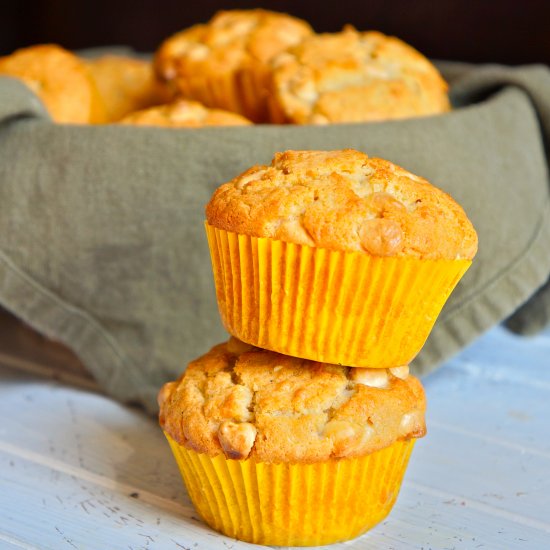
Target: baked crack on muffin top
{"x": 347, "y": 201}
{"x": 247, "y": 402}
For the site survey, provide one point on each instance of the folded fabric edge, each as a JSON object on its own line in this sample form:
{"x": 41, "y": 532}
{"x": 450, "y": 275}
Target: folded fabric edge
{"x": 19, "y": 101}
{"x": 59, "y": 320}
{"x": 534, "y": 315}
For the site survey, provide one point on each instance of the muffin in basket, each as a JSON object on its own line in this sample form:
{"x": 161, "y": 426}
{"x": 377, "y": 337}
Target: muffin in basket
{"x": 126, "y": 84}
{"x": 354, "y": 76}
{"x": 183, "y": 113}
{"x": 336, "y": 257}
{"x": 60, "y": 79}
{"x": 283, "y": 451}
{"x": 224, "y": 63}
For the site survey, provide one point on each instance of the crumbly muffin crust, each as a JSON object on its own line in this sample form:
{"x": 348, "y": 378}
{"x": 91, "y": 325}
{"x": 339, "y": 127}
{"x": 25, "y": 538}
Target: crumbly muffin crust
{"x": 126, "y": 84}
{"x": 60, "y": 79}
{"x": 184, "y": 113}
{"x": 354, "y": 77}
{"x": 344, "y": 200}
{"x": 230, "y": 41}
{"x": 248, "y": 402}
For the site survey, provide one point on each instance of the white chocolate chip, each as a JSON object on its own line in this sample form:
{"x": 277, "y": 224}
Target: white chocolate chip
{"x": 198, "y": 52}
{"x": 363, "y": 442}
{"x": 307, "y": 92}
{"x": 282, "y": 58}
{"x": 319, "y": 119}
{"x": 338, "y": 430}
{"x": 252, "y": 175}
{"x": 400, "y": 372}
{"x": 375, "y": 378}
{"x": 348, "y": 436}
{"x": 236, "y": 439}
{"x": 409, "y": 422}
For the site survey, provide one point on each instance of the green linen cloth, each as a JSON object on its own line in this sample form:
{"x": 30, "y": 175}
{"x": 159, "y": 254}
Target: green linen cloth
{"x": 102, "y": 243}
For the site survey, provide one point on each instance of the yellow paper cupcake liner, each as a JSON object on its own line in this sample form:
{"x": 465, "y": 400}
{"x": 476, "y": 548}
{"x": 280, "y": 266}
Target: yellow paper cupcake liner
{"x": 337, "y": 307}
{"x": 293, "y": 504}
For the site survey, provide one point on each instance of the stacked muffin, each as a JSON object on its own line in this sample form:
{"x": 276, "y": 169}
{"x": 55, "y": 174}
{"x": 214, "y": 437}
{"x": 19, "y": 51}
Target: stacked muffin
{"x": 330, "y": 270}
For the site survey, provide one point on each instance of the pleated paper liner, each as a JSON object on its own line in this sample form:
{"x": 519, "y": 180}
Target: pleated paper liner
{"x": 243, "y": 92}
{"x": 293, "y": 504}
{"x": 337, "y": 307}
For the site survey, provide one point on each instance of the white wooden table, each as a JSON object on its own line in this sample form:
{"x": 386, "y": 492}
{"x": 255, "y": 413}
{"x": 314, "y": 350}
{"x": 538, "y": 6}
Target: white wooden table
{"x": 78, "y": 470}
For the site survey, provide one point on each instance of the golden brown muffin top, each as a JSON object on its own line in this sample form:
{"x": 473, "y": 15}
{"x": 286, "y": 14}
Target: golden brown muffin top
{"x": 126, "y": 84}
{"x": 353, "y": 77}
{"x": 183, "y": 113}
{"x": 60, "y": 79}
{"x": 344, "y": 200}
{"x": 248, "y": 402}
{"x": 231, "y": 40}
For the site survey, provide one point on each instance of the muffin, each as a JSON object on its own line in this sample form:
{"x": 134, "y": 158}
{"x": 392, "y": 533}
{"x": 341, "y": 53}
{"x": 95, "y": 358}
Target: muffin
{"x": 183, "y": 113}
{"x": 224, "y": 63}
{"x": 283, "y": 451}
{"x": 336, "y": 257}
{"x": 60, "y": 80}
{"x": 354, "y": 77}
{"x": 126, "y": 85}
